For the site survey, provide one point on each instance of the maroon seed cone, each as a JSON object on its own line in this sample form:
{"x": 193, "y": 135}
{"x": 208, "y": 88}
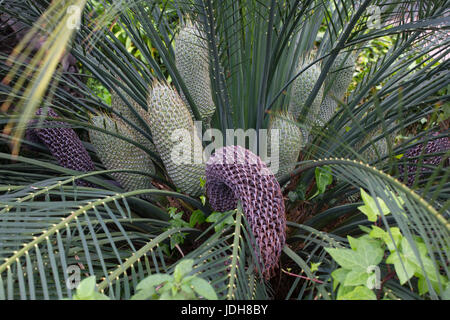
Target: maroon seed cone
{"x": 234, "y": 173}
{"x": 63, "y": 143}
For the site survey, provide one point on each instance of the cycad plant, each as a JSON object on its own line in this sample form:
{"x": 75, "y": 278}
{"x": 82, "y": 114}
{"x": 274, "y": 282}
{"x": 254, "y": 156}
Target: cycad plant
{"x": 155, "y": 197}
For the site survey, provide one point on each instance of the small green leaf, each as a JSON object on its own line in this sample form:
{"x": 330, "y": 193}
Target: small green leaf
{"x": 203, "y": 288}
{"x": 339, "y": 276}
{"x": 422, "y": 285}
{"x": 379, "y": 233}
{"x": 315, "y": 266}
{"x": 356, "y": 278}
{"x": 196, "y": 217}
{"x": 342, "y": 291}
{"x": 404, "y": 269}
{"x": 144, "y": 294}
{"x": 359, "y": 293}
{"x": 370, "y": 208}
{"x": 323, "y": 178}
{"x": 166, "y": 296}
{"x": 86, "y": 288}
{"x": 182, "y": 269}
{"x": 346, "y": 258}
{"x": 149, "y": 283}
{"x": 217, "y": 216}
{"x": 187, "y": 290}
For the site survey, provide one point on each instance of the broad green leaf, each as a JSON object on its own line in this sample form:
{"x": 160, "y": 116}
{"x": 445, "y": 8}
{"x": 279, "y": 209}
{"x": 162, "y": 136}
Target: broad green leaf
{"x": 346, "y": 258}
{"x": 422, "y": 285}
{"x": 149, "y": 283}
{"x": 369, "y": 251}
{"x": 196, "y": 217}
{"x": 183, "y": 268}
{"x": 356, "y": 278}
{"x": 203, "y": 288}
{"x": 379, "y": 233}
{"x": 404, "y": 271}
{"x": 342, "y": 291}
{"x": 359, "y": 293}
{"x": 144, "y": 294}
{"x": 428, "y": 267}
{"x": 86, "y": 288}
{"x": 186, "y": 289}
{"x": 370, "y": 208}
{"x": 323, "y": 178}
{"x": 339, "y": 276}
{"x": 217, "y": 216}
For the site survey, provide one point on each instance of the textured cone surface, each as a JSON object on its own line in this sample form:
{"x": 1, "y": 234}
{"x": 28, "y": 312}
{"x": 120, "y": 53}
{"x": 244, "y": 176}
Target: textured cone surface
{"x": 192, "y": 62}
{"x": 235, "y": 174}
{"x": 327, "y": 109}
{"x": 168, "y": 117}
{"x": 118, "y": 105}
{"x": 341, "y": 74}
{"x": 377, "y": 149}
{"x": 290, "y": 143}
{"x": 63, "y": 143}
{"x": 441, "y": 145}
{"x": 116, "y": 153}
{"x": 301, "y": 88}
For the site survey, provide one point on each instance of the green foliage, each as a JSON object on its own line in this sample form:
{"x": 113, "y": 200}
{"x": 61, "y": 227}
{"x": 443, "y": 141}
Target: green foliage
{"x": 86, "y": 290}
{"x": 48, "y": 223}
{"x": 356, "y": 264}
{"x": 221, "y": 219}
{"x": 355, "y": 276}
{"x": 324, "y": 178}
{"x": 176, "y": 221}
{"x": 197, "y": 217}
{"x": 179, "y": 286}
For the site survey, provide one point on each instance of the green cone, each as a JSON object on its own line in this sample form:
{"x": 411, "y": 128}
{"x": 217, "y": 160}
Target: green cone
{"x": 116, "y": 153}
{"x": 118, "y": 105}
{"x": 290, "y": 142}
{"x": 379, "y": 148}
{"x": 327, "y": 109}
{"x": 340, "y": 76}
{"x": 174, "y": 135}
{"x": 301, "y": 88}
{"x": 192, "y": 62}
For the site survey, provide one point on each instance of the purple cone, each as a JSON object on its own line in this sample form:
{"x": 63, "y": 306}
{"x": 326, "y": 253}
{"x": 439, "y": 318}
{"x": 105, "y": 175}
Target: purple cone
{"x": 234, "y": 173}
{"x": 440, "y": 145}
{"x": 63, "y": 143}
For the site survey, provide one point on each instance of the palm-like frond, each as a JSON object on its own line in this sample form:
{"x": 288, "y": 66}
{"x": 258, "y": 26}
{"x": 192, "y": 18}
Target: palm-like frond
{"x": 48, "y": 223}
